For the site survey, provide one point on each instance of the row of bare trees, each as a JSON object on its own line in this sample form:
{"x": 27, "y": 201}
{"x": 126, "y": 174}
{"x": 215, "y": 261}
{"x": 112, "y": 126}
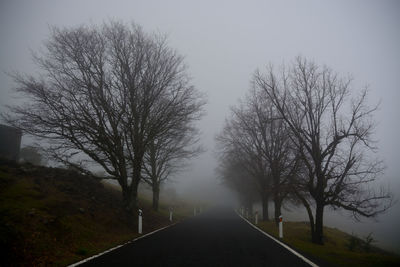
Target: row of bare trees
{"x": 115, "y": 96}
{"x": 301, "y": 135}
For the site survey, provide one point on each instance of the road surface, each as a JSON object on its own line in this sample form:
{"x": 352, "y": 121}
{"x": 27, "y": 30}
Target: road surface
{"x": 218, "y": 237}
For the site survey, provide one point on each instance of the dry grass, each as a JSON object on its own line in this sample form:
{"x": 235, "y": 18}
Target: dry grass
{"x": 57, "y": 217}
{"x": 335, "y": 251}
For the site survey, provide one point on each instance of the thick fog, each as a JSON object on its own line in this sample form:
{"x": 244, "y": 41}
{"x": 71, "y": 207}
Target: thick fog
{"x": 224, "y": 42}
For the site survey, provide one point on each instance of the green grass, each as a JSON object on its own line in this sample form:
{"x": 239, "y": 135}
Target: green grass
{"x": 57, "y": 217}
{"x": 335, "y": 251}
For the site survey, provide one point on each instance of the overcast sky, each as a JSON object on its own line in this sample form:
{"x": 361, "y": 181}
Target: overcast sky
{"x": 225, "y": 41}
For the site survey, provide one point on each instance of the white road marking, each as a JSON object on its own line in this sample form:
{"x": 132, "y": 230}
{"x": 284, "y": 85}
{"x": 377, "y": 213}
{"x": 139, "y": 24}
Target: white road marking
{"x": 114, "y": 248}
{"x": 280, "y": 243}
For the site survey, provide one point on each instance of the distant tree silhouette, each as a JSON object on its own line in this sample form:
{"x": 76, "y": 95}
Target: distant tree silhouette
{"x": 32, "y": 155}
{"x": 168, "y": 154}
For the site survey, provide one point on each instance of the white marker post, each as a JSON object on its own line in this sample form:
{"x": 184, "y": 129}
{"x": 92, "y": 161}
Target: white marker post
{"x": 140, "y": 221}
{"x": 242, "y": 211}
{"x": 170, "y": 214}
{"x": 256, "y": 217}
{"x": 194, "y": 211}
{"x": 280, "y": 226}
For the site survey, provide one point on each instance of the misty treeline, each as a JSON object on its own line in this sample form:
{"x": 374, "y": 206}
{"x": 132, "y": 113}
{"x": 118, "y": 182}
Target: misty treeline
{"x": 303, "y": 135}
{"x": 115, "y": 96}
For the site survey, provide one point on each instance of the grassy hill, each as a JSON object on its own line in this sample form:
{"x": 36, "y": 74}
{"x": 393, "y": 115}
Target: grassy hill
{"x": 51, "y": 216}
{"x": 340, "y": 248}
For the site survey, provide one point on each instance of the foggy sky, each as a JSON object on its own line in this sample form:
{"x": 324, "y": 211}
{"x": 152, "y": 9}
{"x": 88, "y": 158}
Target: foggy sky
{"x": 225, "y": 41}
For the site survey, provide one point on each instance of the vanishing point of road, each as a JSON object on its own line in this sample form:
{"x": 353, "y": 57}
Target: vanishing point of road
{"x": 218, "y": 237}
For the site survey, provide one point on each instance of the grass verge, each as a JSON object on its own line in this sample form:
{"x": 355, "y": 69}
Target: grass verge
{"x": 339, "y": 248}
{"x": 51, "y": 216}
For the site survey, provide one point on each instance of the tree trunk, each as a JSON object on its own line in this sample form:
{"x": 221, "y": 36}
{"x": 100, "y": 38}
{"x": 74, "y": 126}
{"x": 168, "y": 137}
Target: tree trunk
{"x": 276, "y": 179}
{"x": 309, "y": 212}
{"x": 134, "y": 186}
{"x": 264, "y": 199}
{"x": 134, "y": 200}
{"x": 127, "y": 199}
{"x": 277, "y": 208}
{"x": 249, "y": 207}
{"x": 156, "y": 196}
{"x": 318, "y": 236}
{"x": 311, "y": 219}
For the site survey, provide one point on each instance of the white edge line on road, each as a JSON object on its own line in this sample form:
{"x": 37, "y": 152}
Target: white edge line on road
{"x": 280, "y": 243}
{"x": 114, "y": 248}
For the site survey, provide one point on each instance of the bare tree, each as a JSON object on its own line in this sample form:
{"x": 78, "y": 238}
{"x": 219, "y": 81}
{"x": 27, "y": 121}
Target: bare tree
{"x": 167, "y": 154}
{"x": 235, "y": 176}
{"x": 334, "y": 140}
{"x": 240, "y": 140}
{"x": 273, "y": 141}
{"x": 259, "y": 137}
{"x": 105, "y": 92}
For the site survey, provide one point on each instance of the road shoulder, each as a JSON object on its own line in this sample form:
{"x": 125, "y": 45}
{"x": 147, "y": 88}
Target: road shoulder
{"x": 308, "y": 261}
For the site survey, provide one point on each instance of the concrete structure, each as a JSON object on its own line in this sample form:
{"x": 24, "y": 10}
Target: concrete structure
{"x": 10, "y": 142}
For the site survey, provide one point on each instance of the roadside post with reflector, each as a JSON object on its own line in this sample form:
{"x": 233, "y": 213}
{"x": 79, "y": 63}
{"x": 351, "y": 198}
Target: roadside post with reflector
{"x": 280, "y": 226}
{"x": 256, "y": 217}
{"x": 140, "y": 221}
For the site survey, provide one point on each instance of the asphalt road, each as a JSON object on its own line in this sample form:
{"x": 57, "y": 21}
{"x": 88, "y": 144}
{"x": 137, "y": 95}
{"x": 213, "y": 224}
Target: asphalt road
{"x": 218, "y": 237}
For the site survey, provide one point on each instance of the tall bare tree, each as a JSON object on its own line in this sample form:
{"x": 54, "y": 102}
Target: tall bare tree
{"x": 167, "y": 154}
{"x": 241, "y": 140}
{"x": 273, "y": 140}
{"x": 105, "y": 92}
{"x": 257, "y": 131}
{"x": 334, "y": 139}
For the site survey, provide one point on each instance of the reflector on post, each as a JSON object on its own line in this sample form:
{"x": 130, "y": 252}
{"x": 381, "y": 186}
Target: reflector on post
{"x": 140, "y": 221}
